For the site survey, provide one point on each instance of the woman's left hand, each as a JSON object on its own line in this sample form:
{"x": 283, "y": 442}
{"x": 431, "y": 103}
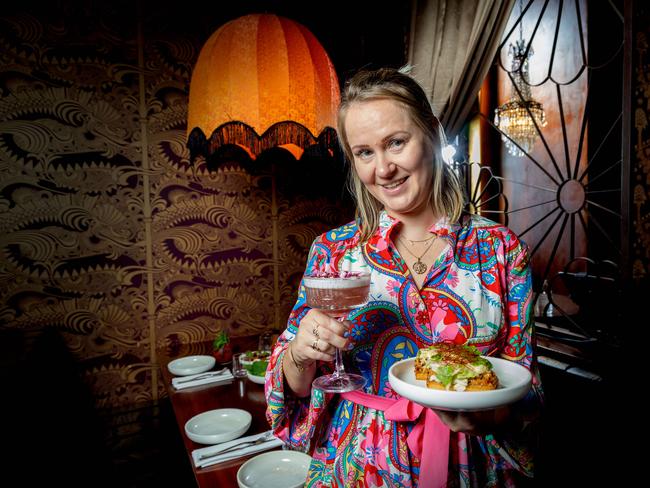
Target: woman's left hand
{"x": 476, "y": 423}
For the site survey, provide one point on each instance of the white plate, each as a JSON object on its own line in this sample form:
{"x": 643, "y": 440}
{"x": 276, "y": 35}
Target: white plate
{"x": 215, "y": 426}
{"x": 514, "y": 383}
{"x": 275, "y": 469}
{"x": 255, "y": 379}
{"x": 191, "y": 365}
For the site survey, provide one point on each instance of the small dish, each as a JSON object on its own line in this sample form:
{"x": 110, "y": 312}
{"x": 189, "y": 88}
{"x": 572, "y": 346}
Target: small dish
{"x": 255, "y": 379}
{"x": 514, "y": 383}
{"x": 191, "y": 365}
{"x": 249, "y": 357}
{"x": 215, "y": 426}
{"x": 275, "y": 469}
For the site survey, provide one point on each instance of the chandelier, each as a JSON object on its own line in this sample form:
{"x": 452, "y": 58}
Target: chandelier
{"x": 518, "y": 117}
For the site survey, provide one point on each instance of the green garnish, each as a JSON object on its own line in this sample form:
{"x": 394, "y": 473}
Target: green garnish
{"x": 445, "y": 375}
{"x": 220, "y": 340}
{"x": 258, "y": 368}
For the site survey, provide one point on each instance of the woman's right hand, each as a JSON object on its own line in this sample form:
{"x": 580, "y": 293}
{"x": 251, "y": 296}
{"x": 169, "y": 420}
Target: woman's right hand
{"x": 317, "y": 338}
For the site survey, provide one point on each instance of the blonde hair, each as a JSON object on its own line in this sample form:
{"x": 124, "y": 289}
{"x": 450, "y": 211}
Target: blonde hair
{"x": 446, "y": 194}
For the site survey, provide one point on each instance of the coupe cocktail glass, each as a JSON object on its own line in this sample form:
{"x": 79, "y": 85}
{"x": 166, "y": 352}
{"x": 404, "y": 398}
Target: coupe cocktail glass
{"x": 336, "y": 295}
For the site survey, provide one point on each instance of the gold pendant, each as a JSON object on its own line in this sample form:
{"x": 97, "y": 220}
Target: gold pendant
{"x": 419, "y": 267}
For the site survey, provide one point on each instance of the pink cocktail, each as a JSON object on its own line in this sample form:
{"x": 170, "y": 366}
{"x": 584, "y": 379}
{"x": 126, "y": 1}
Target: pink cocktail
{"x": 336, "y": 295}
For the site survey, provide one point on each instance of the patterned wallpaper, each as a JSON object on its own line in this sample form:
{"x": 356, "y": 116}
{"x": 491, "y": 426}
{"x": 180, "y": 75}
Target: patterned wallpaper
{"x": 108, "y": 234}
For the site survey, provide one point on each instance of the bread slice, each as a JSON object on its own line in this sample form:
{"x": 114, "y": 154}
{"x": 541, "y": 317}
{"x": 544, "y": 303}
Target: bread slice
{"x": 421, "y": 371}
{"x": 486, "y": 381}
{"x": 457, "y": 367}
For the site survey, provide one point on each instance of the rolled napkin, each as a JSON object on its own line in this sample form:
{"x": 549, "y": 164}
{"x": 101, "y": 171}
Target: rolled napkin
{"x": 209, "y": 377}
{"x": 249, "y": 445}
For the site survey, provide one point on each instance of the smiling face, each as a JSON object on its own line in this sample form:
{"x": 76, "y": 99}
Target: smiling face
{"x": 392, "y": 156}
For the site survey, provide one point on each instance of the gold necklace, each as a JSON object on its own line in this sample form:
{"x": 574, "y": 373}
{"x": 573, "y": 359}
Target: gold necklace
{"x": 419, "y": 267}
{"x": 422, "y": 240}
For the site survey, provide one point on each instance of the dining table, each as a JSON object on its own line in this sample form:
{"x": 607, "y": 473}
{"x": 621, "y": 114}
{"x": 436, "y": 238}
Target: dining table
{"x": 241, "y": 393}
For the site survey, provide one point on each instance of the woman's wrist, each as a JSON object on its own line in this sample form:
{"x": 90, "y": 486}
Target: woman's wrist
{"x": 298, "y": 365}
{"x": 297, "y": 374}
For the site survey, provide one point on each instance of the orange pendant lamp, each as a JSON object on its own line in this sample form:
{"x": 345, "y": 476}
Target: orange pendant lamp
{"x": 262, "y": 81}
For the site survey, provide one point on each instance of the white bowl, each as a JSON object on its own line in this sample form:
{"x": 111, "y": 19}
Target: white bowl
{"x": 215, "y": 426}
{"x": 191, "y": 365}
{"x": 256, "y": 379}
{"x": 275, "y": 469}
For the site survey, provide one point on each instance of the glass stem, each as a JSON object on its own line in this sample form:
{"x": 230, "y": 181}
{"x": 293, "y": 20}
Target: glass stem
{"x": 339, "y": 371}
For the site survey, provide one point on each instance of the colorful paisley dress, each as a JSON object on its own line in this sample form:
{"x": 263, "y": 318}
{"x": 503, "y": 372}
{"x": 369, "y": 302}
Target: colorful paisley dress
{"x": 477, "y": 292}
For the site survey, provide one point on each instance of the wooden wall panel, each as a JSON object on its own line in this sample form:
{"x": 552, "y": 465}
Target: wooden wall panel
{"x": 639, "y": 117}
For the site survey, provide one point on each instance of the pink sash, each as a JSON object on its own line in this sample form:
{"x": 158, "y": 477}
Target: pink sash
{"x": 428, "y": 437}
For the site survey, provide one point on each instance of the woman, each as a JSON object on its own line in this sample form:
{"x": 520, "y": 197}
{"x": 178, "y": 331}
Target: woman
{"x": 437, "y": 275}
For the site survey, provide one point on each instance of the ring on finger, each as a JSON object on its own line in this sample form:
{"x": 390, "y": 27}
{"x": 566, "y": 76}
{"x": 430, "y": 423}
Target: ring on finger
{"x": 314, "y": 330}
{"x": 314, "y": 345}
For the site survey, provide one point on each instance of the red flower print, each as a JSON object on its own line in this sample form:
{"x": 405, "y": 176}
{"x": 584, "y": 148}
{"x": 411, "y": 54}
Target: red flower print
{"x": 422, "y": 317}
